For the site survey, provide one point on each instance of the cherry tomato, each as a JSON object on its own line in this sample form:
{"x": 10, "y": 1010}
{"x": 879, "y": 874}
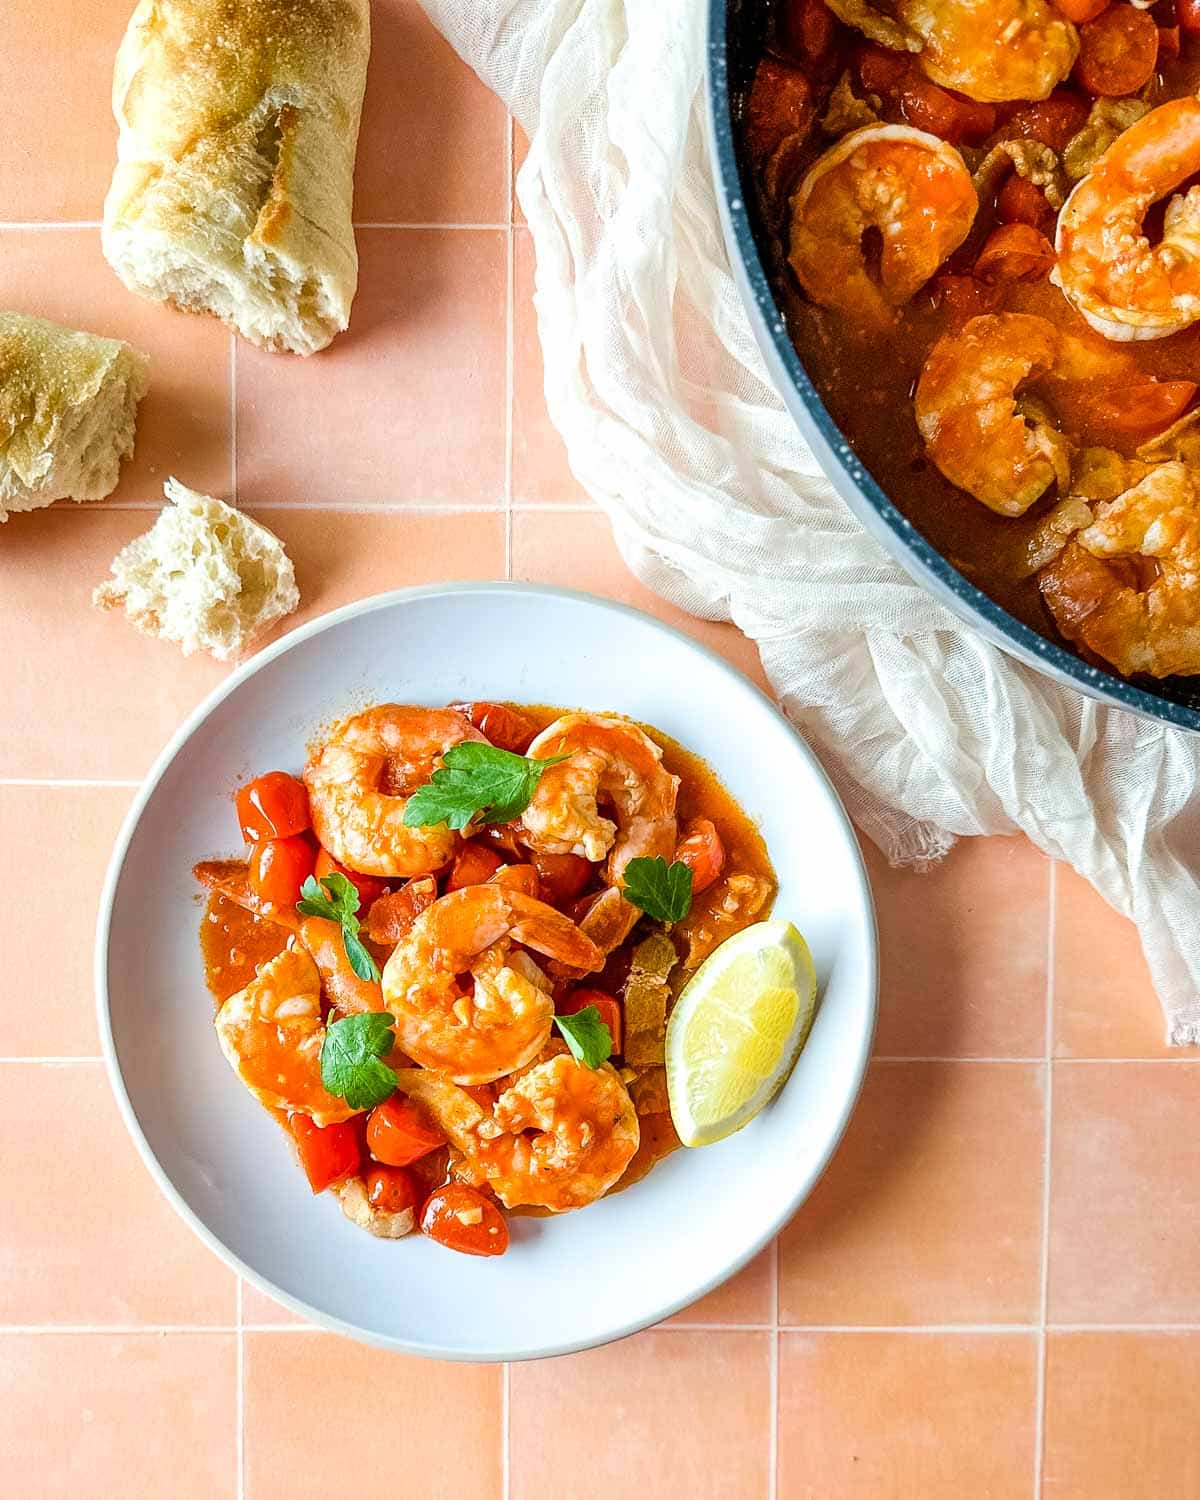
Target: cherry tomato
{"x": 703, "y": 852}
{"x": 391, "y": 917}
{"x": 279, "y": 867}
{"x": 462, "y": 1219}
{"x": 808, "y": 31}
{"x": 1052, "y": 121}
{"x": 1169, "y": 42}
{"x": 1080, "y": 11}
{"x": 327, "y": 1153}
{"x": 273, "y": 806}
{"x": 1118, "y": 52}
{"x": 368, "y": 887}
{"x": 391, "y": 1190}
{"x": 965, "y": 297}
{"x": 880, "y": 70}
{"x": 474, "y": 864}
{"x": 1015, "y": 252}
{"x": 522, "y": 878}
{"x": 563, "y": 876}
{"x": 927, "y": 106}
{"x": 398, "y": 1132}
{"x": 780, "y": 104}
{"x": 503, "y": 726}
{"x": 1187, "y": 13}
{"x": 1020, "y": 202}
{"x": 1139, "y": 409}
{"x": 607, "y": 1005}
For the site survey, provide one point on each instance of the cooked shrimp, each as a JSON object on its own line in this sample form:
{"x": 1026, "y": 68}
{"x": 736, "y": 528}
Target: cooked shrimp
{"x": 910, "y": 187}
{"x": 609, "y": 759}
{"x": 969, "y": 414}
{"x": 559, "y": 1136}
{"x": 475, "y": 1033}
{"x": 360, "y": 779}
{"x": 1126, "y": 287}
{"x": 1098, "y": 589}
{"x": 272, "y": 1033}
{"x": 992, "y": 50}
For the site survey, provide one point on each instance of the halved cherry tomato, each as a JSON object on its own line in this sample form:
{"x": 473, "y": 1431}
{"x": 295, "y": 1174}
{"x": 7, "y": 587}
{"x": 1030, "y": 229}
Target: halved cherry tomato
{"x": 1020, "y": 202}
{"x": 928, "y": 106}
{"x": 1187, "y": 13}
{"x": 808, "y": 31}
{"x": 391, "y": 1190}
{"x": 607, "y": 1005}
{"x": 462, "y": 1219}
{"x": 1015, "y": 252}
{"x": 327, "y": 1153}
{"x": 1052, "y": 121}
{"x": 474, "y": 864}
{"x": 279, "y": 867}
{"x": 780, "y": 104}
{"x": 1118, "y": 52}
{"x": 398, "y": 1132}
{"x": 369, "y": 888}
{"x": 1137, "y": 409}
{"x": 503, "y": 726}
{"x": 964, "y": 297}
{"x": 702, "y": 851}
{"x": 563, "y": 876}
{"x": 390, "y": 918}
{"x": 1080, "y": 11}
{"x": 522, "y": 878}
{"x": 273, "y": 806}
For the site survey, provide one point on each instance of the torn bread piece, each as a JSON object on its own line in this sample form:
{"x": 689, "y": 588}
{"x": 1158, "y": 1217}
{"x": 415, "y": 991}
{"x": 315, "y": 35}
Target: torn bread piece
{"x": 235, "y": 162}
{"x": 68, "y": 408}
{"x": 205, "y": 576}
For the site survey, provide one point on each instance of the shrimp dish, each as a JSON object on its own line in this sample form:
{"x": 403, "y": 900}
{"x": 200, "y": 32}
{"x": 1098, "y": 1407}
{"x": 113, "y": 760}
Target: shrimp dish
{"x": 447, "y": 965}
{"x": 983, "y": 225}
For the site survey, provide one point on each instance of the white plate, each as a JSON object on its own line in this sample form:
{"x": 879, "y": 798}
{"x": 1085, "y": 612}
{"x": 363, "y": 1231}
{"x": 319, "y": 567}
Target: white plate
{"x": 565, "y": 1283}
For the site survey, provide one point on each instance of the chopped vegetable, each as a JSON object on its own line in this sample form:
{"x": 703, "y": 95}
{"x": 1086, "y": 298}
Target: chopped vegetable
{"x": 280, "y": 867}
{"x": 703, "y": 852}
{"x": 662, "y": 891}
{"x": 352, "y": 1054}
{"x": 476, "y": 781}
{"x": 475, "y": 864}
{"x": 328, "y": 1154}
{"x": 588, "y": 1039}
{"x": 965, "y": 296}
{"x": 928, "y": 106}
{"x": 563, "y": 876}
{"x": 369, "y": 887}
{"x": 646, "y": 995}
{"x": 522, "y": 878}
{"x": 1118, "y": 51}
{"x": 391, "y": 1190}
{"x": 1187, "y": 13}
{"x": 336, "y": 899}
{"x": 1141, "y": 408}
{"x": 398, "y": 1133}
{"x": 649, "y": 1092}
{"x": 461, "y": 1218}
{"x": 780, "y": 105}
{"x": 1015, "y": 252}
{"x": 273, "y": 806}
{"x": 1052, "y": 121}
{"x": 808, "y": 31}
{"x": 607, "y": 1007}
{"x": 1023, "y": 202}
{"x": 392, "y": 916}
{"x": 503, "y": 726}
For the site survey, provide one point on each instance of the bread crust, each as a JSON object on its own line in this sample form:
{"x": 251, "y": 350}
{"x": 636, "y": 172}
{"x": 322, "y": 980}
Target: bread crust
{"x": 235, "y": 162}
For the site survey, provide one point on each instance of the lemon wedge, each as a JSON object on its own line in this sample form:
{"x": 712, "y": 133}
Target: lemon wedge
{"x": 737, "y": 1029}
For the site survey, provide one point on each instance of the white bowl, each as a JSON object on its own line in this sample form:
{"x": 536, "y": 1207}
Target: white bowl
{"x": 566, "y": 1283}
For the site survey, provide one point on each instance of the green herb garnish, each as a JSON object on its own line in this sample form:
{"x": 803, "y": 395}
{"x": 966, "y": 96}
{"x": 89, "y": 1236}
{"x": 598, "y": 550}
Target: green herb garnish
{"x": 338, "y": 902}
{"x": 476, "y": 781}
{"x": 587, "y": 1036}
{"x": 352, "y": 1065}
{"x": 662, "y": 891}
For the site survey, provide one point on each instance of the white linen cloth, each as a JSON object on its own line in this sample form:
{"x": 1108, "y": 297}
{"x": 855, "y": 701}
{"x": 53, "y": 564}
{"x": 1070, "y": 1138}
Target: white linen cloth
{"x": 654, "y": 381}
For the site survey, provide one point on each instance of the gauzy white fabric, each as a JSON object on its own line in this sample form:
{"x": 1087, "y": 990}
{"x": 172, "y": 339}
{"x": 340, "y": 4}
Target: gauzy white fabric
{"x": 671, "y": 424}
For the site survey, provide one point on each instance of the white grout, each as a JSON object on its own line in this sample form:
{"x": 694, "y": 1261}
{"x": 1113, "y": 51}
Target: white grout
{"x": 66, "y": 781}
{"x": 915, "y": 1329}
{"x": 52, "y": 1062}
{"x": 383, "y": 224}
{"x": 1039, "y": 1415}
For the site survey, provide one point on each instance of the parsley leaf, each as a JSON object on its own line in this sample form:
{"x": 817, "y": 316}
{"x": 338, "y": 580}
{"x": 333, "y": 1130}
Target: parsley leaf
{"x": 661, "y": 891}
{"x": 351, "y": 1059}
{"x": 338, "y": 902}
{"x": 476, "y": 780}
{"x": 587, "y": 1036}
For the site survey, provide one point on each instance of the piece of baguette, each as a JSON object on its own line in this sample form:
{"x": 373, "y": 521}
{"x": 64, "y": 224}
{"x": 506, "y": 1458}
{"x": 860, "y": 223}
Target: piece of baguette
{"x": 205, "y": 576}
{"x": 235, "y": 162}
{"x": 68, "y": 408}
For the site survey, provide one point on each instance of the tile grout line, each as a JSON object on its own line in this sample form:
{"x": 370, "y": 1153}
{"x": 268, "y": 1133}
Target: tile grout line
{"x": 386, "y": 508}
{"x": 16, "y": 225}
{"x": 997, "y": 1330}
{"x": 240, "y": 1413}
{"x": 773, "y": 1380}
{"x": 1039, "y": 1423}
{"x": 66, "y": 781}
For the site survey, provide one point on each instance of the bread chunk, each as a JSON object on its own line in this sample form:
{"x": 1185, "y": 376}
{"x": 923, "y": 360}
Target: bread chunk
{"x": 204, "y": 576}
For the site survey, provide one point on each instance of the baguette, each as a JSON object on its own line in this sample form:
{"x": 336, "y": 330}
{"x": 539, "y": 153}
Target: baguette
{"x": 235, "y": 162}
{"x": 68, "y": 408}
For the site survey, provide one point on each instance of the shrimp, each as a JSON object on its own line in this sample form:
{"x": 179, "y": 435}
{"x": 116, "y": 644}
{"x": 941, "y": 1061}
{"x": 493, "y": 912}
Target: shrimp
{"x": 608, "y": 758}
{"x": 1124, "y": 286}
{"x": 968, "y": 412}
{"x": 476, "y": 1035}
{"x": 360, "y": 779}
{"x": 992, "y": 50}
{"x": 558, "y": 1137}
{"x": 1098, "y": 590}
{"x": 910, "y": 187}
{"x": 272, "y": 1033}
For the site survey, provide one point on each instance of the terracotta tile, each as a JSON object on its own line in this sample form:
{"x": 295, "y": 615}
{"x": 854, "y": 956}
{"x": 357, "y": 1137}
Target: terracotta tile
{"x": 257, "y": 1307}
{"x": 1104, "y": 1002}
{"x": 578, "y": 551}
{"x": 138, "y": 689}
{"x": 541, "y": 472}
{"x": 963, "y": 951}
{"x": 108, "y": 1249}
{"x": 406, "y": 406}
{"x": 57, "y": 149}
{"x": 434, "y": 1428}
{"x": 41, "y": 822}
{"x": 1122, "y": 1412}
{"x": 748, "y": 1297}
{"x": 1125, "y": 1193}
{"x": 931, "y": 1211}
{"x": 138, "y": 1416}
{"x": 185, "y": 422}
{"x": 520, "y": 150}
{"x": 432, "y": 148}
{"x": 706, "y": 1395}
{"x": 891, "y": 1416}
